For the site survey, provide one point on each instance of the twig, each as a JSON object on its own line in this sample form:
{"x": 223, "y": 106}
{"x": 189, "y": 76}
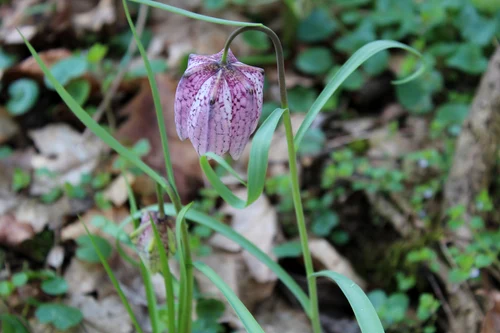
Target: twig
{"x": 440, "y": 296}
{"x": 141, "y": 22}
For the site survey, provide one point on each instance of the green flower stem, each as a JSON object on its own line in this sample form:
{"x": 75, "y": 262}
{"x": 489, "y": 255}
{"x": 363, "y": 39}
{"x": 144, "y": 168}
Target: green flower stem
{"x": 292, "y": 158}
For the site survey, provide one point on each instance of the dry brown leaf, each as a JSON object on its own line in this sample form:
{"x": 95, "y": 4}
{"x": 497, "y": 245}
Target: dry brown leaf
{"x": 116, "y": 192}
{"x": 276, "y": 316}
{"x": 103, "y": 14}
{"x": 13, "y": 233}
{"x": 30, "y": 67}
{"x": 142, "y": 124}
{"x": 55, "y": 257}
{"x": 66, "y": 153}
{"x": 8, "y": 127}
{"x": 491, "y": 322}
{"x": 101, "y": 316}
{"x": 330, "y": 259}
{"x": 258, "y": 224}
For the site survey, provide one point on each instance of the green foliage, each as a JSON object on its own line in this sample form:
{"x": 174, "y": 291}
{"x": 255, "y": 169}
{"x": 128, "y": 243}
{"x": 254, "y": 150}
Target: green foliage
{"x": 80, "y": 90}
{"x": 61, "y": 316}
{"x": 20, "y": 180}
{"x": 86, "y": 249}
{"x": 317, "y": 27}
{"x": 208, "y": 311}
{"x": 23, "y": 95}
{"x": 67, "y": 69}
{"x": 55, "y": 286}
{"x": 288, "y": 250}
{"x": 314, "y": 61}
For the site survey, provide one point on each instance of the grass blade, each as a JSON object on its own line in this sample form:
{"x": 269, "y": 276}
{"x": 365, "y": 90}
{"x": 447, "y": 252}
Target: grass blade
{"x": 257, "y": 167}
{"x": 356, "y": 60}
{"x": 186, "y": 297}
{"x": 363, "y": 309}
{"x": 151, "y": 299}
{"x": 195, "y": 16}
{"x": 114, "y": 281}
{"x": 167, "y": 277}
{"x": 245, "y": 316}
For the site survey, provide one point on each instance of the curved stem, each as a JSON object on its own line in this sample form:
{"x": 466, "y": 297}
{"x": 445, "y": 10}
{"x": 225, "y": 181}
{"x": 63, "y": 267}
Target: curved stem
{"x": 292, "y": 158}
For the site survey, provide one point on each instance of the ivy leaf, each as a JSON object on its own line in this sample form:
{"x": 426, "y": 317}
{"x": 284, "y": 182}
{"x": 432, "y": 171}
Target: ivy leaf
{"x": 59, "y": 315}
{"x": 469, "y": 58}
{"x": 19, "y": 279}
{"x": 314, "y": 61}
{"x": 313, "y": 142}
{"x": 86, "y": 251}
{"x": 317, "y": 27}
{"x": 324, "y": 223}
{"x": 55, "y": 286}
{"x": 23, "y": 95}
{"x": 257, "y": 40}
{"x": 478, "y": 30}
{"x": 349, "y": 43}
{"x": 301, "y": 98}
{"x": 67, "y": 69}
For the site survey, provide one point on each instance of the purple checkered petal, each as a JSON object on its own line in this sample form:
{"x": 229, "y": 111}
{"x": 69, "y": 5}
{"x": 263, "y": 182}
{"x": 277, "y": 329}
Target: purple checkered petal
{"x": 218, "y": 105}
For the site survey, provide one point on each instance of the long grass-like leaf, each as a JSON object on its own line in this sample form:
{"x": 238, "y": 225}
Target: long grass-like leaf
{"x": 363, "y": 309}
{"x": 167, "y": 276}
{"x": 257, "y": 167}
{"x": 195, "y": 16}
{"x": 228, "y": 232}
{"x": 356, "y": 60}
{"x": 115, "y": 282}
{"x": 245, "y": 316}
{"x": 151, "y": 299}
{"x": 157, "y": 103}
{"x": 186, "y": 292}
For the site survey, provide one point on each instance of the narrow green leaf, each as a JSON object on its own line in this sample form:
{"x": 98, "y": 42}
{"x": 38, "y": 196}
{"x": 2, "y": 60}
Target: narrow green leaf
{"x": 363, "y": 309}
{"x": 195, "y": 16}
{"x": 344, "y": 72}
{"x": 245, "y": 316}
{"x": 257, "y": 166}
{"x": 167, "y": 277}
{"x": 151, "y": 299}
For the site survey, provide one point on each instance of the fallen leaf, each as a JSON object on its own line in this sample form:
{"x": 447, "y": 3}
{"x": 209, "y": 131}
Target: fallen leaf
{"x": 39, "y": 215}
{"x": 13, "y": 233}
{"x": 64, "y": 152}
{"x": 8, "y": 127}
{"x": 491, "y": 322}
{"x": 101, "y": 315}
{"x": 257, "y": 223}
{"x": 326, "y": 255}
{"x": 142, "y": 124}
{"x": 55, "y": 257}
{"x": 116, "y": 192}
{"x": 103, "y": 14}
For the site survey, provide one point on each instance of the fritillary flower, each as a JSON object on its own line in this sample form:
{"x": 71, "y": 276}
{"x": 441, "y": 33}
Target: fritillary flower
{"x": 218, "y": 105}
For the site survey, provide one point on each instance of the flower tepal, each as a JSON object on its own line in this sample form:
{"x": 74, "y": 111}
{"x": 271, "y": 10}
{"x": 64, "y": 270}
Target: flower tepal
{"x": 218, "y": 105}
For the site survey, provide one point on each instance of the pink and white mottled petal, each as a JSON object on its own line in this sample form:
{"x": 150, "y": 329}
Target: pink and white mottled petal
{"x": 256, "y": 75}
{"x": 187, "y": 89}
{"x": 196, "y": 59}
{"x": 210, "y": 118}
{"x": 243, "y": 107}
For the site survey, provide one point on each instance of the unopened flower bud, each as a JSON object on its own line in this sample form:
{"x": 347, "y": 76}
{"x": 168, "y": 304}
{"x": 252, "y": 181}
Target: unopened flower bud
{"x": 145, "y": 239}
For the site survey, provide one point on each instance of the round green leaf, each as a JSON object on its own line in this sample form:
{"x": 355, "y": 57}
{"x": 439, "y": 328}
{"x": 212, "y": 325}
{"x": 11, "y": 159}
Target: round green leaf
{"x": 314, "y": 142}
{"x": 257, "y": 40}
{"x": 6, "y": 288}
{"x": 55, "y": 286}
{"x": 79, "y": 90}
{"x": 59, "y": 315}
{"x": 315, "y": 61}
{"x": 324, "y": 223}
{"x": 301, "y": 98}
{"x": 86, "y": 251}
{"x": 23, "y": 95}
{"x": 19, "y": 279}
{"x": 67, "y": 69}
{"x": 469, "y": 58}
{"x": 316, "y": 27}
{"x": 288, "y": 250}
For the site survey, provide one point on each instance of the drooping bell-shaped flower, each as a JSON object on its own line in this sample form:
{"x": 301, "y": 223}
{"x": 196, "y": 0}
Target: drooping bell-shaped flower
{"x": 218, "y": 105}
